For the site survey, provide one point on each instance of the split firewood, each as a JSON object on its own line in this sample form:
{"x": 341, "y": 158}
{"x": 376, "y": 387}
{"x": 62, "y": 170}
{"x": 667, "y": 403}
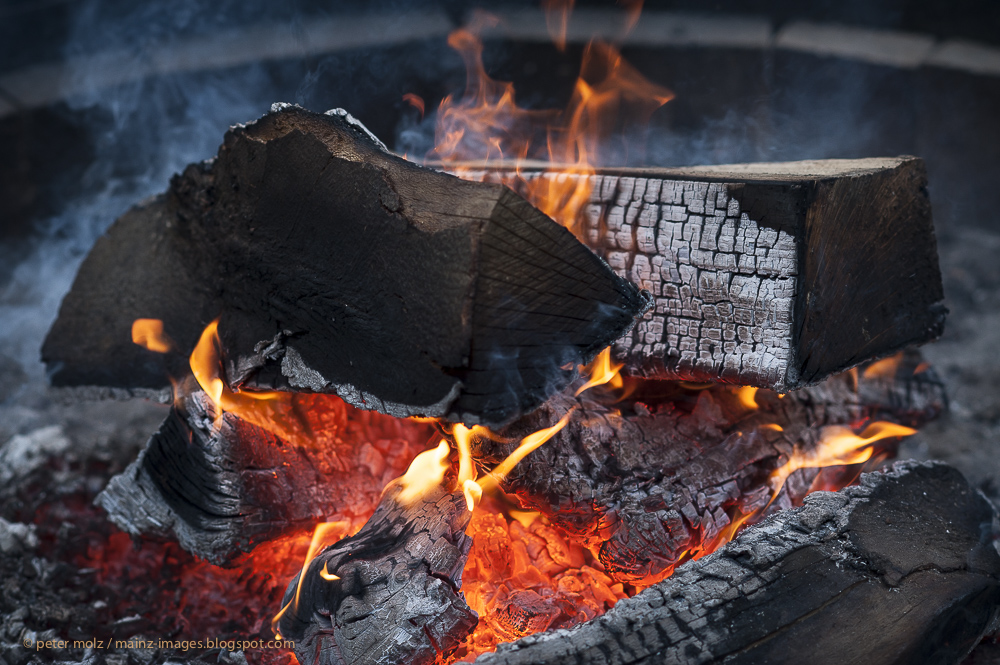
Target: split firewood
{"x": 221, "y": 486}
{"x": 770, "y": 275}
{"x": 338, "y": 267}
{"x": 901, "y": 569}
{"x": 654, "y": 479}
{"x": 390, "y": 593}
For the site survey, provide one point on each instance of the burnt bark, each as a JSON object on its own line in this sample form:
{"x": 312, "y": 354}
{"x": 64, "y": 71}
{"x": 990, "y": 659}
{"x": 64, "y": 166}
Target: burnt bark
{"x": 221, "y": 487}
{"x": 395, "y": 598}
{"x": 901, "y": 569}
{"x": 771, "y": 275}
{"x": 338, "y": 267}
{"x": 651, "y": 480}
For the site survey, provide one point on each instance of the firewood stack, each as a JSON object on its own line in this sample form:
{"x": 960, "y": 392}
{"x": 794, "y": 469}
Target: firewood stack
{"x": 338, "y": 271}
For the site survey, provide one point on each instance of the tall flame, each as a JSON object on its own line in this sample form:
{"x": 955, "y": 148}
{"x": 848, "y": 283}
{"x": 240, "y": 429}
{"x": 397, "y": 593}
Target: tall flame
{"x": 487, "y": 124}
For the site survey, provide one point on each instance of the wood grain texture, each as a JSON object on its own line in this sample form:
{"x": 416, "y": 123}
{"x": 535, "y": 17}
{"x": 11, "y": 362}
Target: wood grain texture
{"x": 396, "y": 599}
{"x": 901, "y": 569}
{"x": 337, "y": 267}
{"x": 772, "y": 275}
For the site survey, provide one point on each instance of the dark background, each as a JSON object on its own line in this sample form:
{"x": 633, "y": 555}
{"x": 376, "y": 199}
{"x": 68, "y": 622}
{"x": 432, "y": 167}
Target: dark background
{"x": 69, "y": 166}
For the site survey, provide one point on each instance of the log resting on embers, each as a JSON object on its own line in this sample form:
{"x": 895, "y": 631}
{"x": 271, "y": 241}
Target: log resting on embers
{"x": 396, "y": 597}
{"x": 647, "y": 481}
{"x": 338, "y": 267}
{"x": 901, "y": 569}
{"x": 222, "y": 486}
{"x": 773, "y": 275}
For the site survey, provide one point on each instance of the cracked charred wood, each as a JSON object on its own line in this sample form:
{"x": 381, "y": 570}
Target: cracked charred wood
{"x": 338, "y": 267}
{"x": 648, "y": 481}
{"x": 388, "y": 594}
{"x": 771, "y": 275}
{"x": 901, "y": 569}
{"x": 221, "y": 487}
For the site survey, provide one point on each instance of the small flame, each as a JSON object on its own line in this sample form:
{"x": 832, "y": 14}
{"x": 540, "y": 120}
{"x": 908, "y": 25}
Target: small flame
{"x": 837, "y": 446}
{"x": 426, "y": 472}
{"x": 326, "y": 574}
{"x": 602, "y": 371}
{"x": 321, "y": 538}
{"x": 883, "y": 369}
{"x": 528, "y": 444}
{"x": 473, "y": 493}
{"x": 148, "y": 333}
{"x": 557, "y": 20}
{"x": 270, "y": 410}
{"x": 747, "y": 396}
{"x": 416, "y": 101}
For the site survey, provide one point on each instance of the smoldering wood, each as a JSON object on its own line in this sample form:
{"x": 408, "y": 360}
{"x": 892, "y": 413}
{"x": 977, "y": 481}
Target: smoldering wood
{"x": 770, "y": 275}
{"x": 901, "y": 569}
{"x": 650, "y": 480}
{"x": 222, "y": 487}
{"x": 337, "y": 267}
{"x": 396, "y": 598}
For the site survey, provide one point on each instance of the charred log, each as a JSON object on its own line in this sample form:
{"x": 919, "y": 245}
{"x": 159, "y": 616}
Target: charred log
{"x": 901, "y": 569}
{"x": 337, "y": 267}
{"x": 389, "y": 594}
{"x": 222, "y": 486}
{"x": 649, "y": 481}
{"x": 771, "y": 275}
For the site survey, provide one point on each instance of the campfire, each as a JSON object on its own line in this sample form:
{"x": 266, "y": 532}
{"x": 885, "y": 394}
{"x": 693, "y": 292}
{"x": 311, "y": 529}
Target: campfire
{"x": 436, "y": 412}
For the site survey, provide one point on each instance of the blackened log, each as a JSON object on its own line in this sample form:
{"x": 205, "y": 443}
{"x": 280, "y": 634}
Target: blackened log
{"x": 651, "y": 480}
{"x": 338, "y": 267}
{"x": 901, "y": 569}
{"x": 770, "y": 275}
{"x": 222, "y": 487}
{"x": 395, "y": 599}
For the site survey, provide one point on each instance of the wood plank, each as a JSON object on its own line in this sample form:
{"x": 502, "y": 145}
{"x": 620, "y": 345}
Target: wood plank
{"x": 772, "y": 275}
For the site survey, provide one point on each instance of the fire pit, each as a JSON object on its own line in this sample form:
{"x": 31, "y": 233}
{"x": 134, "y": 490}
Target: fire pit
{"x": 411, "y": 417}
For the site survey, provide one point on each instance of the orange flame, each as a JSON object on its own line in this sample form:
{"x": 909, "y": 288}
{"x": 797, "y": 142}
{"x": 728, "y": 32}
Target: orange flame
{"x": 602, "y": 371}
{"x": 528, "y": 444}
{"x": 557, "y": 20}
{"x": 747, "y": 396}
{"x": 487, "y": 124}
{"x": 149, "y": 333}
{"x": 883, "y": 369}
{"x": 837, "y": 446}
{"x": 324, "y": 534}
{"x": 416, "y": 101}
{"x": 273, "y": 411}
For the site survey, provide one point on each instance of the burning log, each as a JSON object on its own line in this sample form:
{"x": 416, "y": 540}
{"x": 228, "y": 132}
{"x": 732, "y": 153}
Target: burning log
{"x": 650, "y": 481}
{"x": 338, "y": 267}
{"x": 388, "y": 594}
{"x": 901, "y": 569}
{"x": 770, "y": 275}
{"x": 222, "y": 485}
